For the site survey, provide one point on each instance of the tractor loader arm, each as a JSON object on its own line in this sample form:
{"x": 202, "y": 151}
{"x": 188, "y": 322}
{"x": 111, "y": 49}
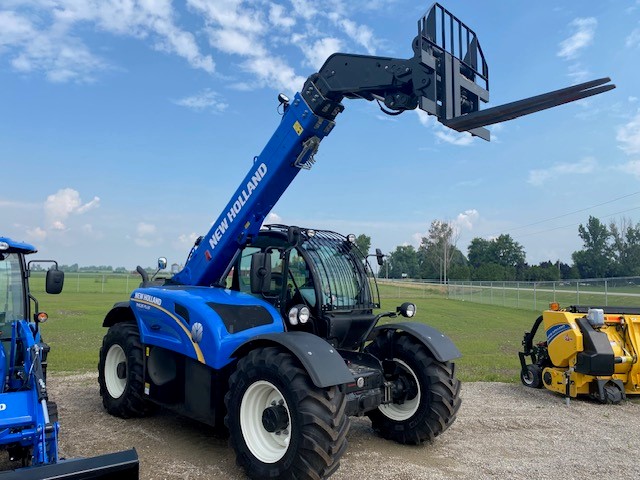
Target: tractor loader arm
{"x": 447, "y": 76}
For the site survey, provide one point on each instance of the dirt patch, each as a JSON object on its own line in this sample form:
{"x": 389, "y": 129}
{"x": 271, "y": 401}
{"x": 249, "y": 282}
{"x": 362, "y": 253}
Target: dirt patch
{"x": 502, "y": 431}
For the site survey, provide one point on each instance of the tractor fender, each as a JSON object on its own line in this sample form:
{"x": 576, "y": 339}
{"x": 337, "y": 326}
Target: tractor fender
{"x": 440, "y": 346}
{"x": 323, "y": 363}
{"x": 121, "y": 312}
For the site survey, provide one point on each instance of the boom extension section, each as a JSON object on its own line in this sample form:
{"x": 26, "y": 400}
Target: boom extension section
{"x": 447, "y": 77}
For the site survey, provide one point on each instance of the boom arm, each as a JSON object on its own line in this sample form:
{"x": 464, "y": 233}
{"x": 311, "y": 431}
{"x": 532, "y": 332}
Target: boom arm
{"x": 447, "y": 77}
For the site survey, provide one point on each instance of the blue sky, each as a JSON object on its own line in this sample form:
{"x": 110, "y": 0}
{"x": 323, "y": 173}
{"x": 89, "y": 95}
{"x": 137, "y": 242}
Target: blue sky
{"x": 125, "y": 126}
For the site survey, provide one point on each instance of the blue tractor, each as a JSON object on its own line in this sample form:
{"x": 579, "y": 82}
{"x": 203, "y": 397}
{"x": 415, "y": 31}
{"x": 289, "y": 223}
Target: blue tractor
{"x": 273, "y": 331}
{"x": 28, "y": 419}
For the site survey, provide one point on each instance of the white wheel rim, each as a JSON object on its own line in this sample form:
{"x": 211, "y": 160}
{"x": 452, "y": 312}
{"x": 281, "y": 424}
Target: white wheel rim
{"x": 404, "y": 411}
{"x": 265, "y": 446}
{"x": 115, "y": 385}
{"x": 528, "y": 377}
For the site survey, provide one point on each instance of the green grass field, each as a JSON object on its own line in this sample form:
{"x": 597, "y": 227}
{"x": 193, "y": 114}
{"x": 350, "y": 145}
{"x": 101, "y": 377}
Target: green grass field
{"x": 488, "y": 336}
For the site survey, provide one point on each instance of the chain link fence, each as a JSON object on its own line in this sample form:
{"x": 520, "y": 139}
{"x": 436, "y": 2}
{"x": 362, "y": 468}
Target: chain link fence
{"x": 526, "y": 295}
{"x": 123, "y": 283}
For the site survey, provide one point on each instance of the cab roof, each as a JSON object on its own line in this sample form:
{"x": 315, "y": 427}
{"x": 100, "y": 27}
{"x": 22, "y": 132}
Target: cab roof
{"x": 11, "y": 246}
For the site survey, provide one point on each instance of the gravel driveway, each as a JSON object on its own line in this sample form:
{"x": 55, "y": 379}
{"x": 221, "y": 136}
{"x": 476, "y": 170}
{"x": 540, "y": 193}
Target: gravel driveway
{"x": 503, "y": 431}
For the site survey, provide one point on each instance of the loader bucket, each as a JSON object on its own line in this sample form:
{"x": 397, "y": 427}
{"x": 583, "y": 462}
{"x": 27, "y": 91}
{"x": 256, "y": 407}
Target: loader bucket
{"x": 121, "y": 465}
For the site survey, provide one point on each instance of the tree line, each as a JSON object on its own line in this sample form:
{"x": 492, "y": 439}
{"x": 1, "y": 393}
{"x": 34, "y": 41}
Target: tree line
{"x": 611, "y": 250}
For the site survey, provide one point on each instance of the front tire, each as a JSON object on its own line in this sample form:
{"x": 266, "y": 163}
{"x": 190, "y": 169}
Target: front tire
{"x": 120, "y": 372}
{"x": 431, "y": 397}
{"x": 532, "y": 378}
{"x": 280, "y": 424}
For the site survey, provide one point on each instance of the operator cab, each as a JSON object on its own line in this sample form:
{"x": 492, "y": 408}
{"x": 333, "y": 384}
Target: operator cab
{"x": 304, "y": 270}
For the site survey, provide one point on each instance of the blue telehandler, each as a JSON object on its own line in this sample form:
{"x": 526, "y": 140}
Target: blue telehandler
{"x": 272, "y": 331}
{"x": 28, "y": 419}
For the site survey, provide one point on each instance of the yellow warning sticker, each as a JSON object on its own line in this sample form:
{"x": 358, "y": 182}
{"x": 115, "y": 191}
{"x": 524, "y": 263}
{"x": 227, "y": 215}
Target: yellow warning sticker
{"x": 297, "y": 127}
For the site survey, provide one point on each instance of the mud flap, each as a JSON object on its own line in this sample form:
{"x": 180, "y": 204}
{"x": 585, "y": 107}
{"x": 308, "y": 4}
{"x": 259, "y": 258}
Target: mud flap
{"x": 121, "y": 465}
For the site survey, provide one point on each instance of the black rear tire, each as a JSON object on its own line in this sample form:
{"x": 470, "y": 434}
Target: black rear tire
{"x": 120, "y": 372}
{"x": 310, "y": 436}
{"x": 532, "y": 378}
{"x": 434, "y": 399}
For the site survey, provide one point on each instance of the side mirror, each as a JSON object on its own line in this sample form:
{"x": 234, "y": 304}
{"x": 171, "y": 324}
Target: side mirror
{"x": 260, "y": 275}
{"x": 54, "y": 281}
{"x": 379, "y": 256}
{"x": 293, "y": 236}
{"x": 162, "y": 263}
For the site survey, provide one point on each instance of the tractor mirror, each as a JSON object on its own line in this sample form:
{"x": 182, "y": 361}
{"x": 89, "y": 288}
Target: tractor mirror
{"x": 54, "y": 281}
{"x": 260, "y": 272}
{"x": 379, "y": 256}
{"x": 162, "y": 263}
{"x": 293, "y": 235}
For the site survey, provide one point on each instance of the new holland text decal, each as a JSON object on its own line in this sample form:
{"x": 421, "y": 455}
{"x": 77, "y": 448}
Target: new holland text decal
{"x": 233, "y": 212}
{"x": 556, "y": 330}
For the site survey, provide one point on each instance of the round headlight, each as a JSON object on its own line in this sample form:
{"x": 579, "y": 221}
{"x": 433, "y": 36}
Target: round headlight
{"x": 293, "y": 316}
{"x": 407, "y": 309}
{"x": 304, "y": 314}
{"x": 311, "y": 232}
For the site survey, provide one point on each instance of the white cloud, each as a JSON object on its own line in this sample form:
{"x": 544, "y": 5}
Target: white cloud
{"x": 63, "y": 203}
{"x": 146, "y": 235}
{"x": 442, "y": 133}
{"x": 204, "y": 100}
{"x": 538, "y": 178}
{"x": 36, "y": 234}
{"x": 582, "y": 37}
{"x": 361, "y": 34}
{"x": 462, "y": 139}
{"x": 278, "y": 18}
{"x": 44, "y": 36}
{"x": 321, "y": 50}
{"x": 466, "y": 219}
{"x": 628, "y": 136}
{"x": 274, "y": 72}
{"x": 145, "y": 229}
{"x": 633, "y": 40}
{"x": 632, "y": 167}
{"x": 186, "y": 240}
{"x": 272, "y": 218}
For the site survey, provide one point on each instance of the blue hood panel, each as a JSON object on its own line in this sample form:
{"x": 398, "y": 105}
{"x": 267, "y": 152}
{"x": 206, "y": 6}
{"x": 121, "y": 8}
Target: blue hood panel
{"x": 204, "y": 323}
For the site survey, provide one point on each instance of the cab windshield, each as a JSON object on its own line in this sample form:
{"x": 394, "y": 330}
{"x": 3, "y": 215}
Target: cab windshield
{"x": 12, "y": 293}
{"x": 342, "y": 270}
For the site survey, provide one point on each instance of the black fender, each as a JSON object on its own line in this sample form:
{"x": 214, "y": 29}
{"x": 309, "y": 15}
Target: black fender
{"x": 440, "y": 346}
{"x": 121, "y": 312}
{"x": 323, "y": 363}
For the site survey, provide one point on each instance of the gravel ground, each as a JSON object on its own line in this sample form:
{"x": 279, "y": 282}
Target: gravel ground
{"x": 502, "y": 431}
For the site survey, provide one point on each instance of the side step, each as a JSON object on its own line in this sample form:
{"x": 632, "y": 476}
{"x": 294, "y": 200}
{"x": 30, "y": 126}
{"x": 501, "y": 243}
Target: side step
{"x": 121, "y": 465}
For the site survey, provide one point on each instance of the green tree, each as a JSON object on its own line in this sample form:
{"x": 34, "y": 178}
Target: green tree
{"x": 363, "y": 242}
{"x": 595, "y": 260}
{"x": 625, "y": 246}
{"x": 438, "y": 252}
{"x": 502, "y": 251}
{"x": 479, "y": 252}
{"x": 489, "y": 271}
{"x": 403, "y": 261}
{"x": 543, "y": 272}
